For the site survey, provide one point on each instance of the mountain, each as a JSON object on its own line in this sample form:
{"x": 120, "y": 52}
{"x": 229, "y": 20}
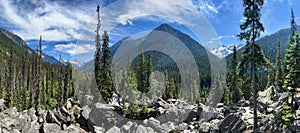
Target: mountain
{"x": 10, "y": 41}
{"x": 269, "y": 44}
{"x": 161, "y": 61}
{"x": 193, "y": 46}
{"x": 225, "y": 50}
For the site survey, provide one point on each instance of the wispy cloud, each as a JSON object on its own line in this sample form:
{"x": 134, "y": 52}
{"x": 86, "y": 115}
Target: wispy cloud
{"x": 55, "y": 21}
{"x": 74, "y": 49}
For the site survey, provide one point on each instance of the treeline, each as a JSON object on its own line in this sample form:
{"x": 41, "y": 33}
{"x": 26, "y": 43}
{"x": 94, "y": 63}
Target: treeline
{"x": 27, "y": 81}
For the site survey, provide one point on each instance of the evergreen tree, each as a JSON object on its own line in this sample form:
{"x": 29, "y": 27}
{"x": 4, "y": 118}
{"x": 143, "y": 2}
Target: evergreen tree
{"x": 12, "y": 80}
{"x": 271, "y": 75}
{"x": 38, "y": 76}
{"x": 142, "y": 80}
{"x": 233, "y": 94}
{"x": 149, "y": 70}
{"x": 278, "y": 77}
{"x": 60, "y": 85}
{"x": 292, "y": 62}
{"x": 98, "y": 54}
{"x": 1, "y": 73}
{"x": 107, "y": 87}
{"x": 251, "y": 29}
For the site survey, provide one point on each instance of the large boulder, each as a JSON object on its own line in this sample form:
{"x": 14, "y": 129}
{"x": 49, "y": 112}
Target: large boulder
{"x": 232, "y": 123}
{"x": 104, "y": 115}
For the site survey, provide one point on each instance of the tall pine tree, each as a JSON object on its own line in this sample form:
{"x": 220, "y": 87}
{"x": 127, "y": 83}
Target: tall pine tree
{"x": 98, "y": 55}
{"x": 233, "y": 93}
{"x": 251, "y": 29}
{"x": 142, "y": 74}
{"x": 292, "y": 62}
{"x": 278, "y": 76}
{"x": 107, "y": 88}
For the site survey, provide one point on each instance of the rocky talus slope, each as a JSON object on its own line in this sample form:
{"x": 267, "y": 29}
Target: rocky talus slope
{"x": 170, "y": 116}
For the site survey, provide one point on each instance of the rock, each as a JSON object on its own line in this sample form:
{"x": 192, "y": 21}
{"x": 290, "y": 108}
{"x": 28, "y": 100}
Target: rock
{"x": 104, "y": 115}
{"x": 11, "y": 112}
{"x": 31, "y": 128}
{"x": 52, "y": 128}
{"x": 232, "y": 123}
{"x": 85, "y": 111}
{"x": 160, "y": 111}
{"x": 98, "y": 129}
{"x": 1, "y": 104}
{"x": 204, "y": 127}
{"x": 192, "y": 116}
{"x": 220, "y": 105}
{"x": 182, "y": 127}
{"x": 69, "y": 104}
{"x": 142, "y": 129}
{"x": 114, "y": 129}
{"x": 167, "y": 127}
{"x": 297, "y": 114}
{"x": 60, "y": 117}
{"x": 115, "y": 100}
{"x": 214, "y": 124}
{"x": 31, "y": 113}
{"x": 152, "y": 122}
{"x": 162, "y": 103}
{"x": 129, "y": 127}
{"x": 208, "y": 113}
{"x": 64, "y": 112}
{"x": 283, "y": 96}
{"x": 74, "y": 129}
{"x": 50, "y": 118}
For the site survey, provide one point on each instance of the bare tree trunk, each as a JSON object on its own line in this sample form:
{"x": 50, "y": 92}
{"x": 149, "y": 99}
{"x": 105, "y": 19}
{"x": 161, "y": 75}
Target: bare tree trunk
{"x": 11, "y": 87}
{"x": 255, "y": 126}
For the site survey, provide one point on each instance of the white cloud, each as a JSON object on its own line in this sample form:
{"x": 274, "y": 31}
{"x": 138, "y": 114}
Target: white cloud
{"x": 74, "y": 49}
{"x": 54, "y": 21}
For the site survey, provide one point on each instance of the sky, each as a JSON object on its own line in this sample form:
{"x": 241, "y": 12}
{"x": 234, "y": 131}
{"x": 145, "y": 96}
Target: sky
{"x": 68, "y": 27}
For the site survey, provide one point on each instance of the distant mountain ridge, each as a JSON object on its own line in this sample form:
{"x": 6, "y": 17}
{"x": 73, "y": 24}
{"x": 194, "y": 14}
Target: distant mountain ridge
{"x": 23, "y": 45}
{"x": 269, "y": 44}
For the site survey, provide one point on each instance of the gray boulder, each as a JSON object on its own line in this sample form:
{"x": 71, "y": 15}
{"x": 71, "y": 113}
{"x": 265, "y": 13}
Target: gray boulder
{"x": 104, "y": 115}
{"x": 232, "y": 123}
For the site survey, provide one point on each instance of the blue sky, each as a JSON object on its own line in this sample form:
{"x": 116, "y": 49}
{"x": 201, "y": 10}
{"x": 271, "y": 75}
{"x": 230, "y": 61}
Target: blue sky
{"x": 68, "y": 27}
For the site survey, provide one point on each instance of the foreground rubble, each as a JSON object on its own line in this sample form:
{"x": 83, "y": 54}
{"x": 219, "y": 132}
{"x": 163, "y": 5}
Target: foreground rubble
{"x": 172, "y": 116}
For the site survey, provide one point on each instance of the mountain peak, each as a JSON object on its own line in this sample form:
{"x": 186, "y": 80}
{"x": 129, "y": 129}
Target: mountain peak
{"x": 165, "y": 27}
